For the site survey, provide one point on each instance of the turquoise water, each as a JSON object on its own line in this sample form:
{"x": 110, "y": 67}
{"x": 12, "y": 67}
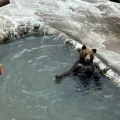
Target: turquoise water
{"x": 28, "y": 90}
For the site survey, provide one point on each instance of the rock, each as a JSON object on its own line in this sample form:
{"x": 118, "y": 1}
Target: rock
{"x": 21, "y": 29}
{"x": 115, "y": 1}
{"x": 51, "y": 31}
{"x": 21, "y": 23}
{"x": 36, "y": 26}
{"x": 4, "y": 36}
{"x": 4, "y": 2}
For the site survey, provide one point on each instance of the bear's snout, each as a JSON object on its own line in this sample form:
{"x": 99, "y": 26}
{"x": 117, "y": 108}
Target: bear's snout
{"x": 87, "y": 58}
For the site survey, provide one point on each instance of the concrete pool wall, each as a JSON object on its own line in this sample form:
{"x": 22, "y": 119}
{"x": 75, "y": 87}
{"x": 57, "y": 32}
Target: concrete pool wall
{"x": 13, "y": 29}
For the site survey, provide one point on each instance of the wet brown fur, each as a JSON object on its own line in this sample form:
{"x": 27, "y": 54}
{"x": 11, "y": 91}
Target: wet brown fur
{"x": 84, "y": 66}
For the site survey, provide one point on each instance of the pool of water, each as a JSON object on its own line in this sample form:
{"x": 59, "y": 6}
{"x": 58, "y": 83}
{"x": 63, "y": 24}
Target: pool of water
{"x": 28, "y": 90}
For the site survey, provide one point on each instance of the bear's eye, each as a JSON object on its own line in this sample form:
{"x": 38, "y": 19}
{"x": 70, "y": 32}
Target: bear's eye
{"x": 91, "y": 56}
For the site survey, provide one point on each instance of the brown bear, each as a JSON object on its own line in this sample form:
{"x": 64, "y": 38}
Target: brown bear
{"x": 84, "y": 66}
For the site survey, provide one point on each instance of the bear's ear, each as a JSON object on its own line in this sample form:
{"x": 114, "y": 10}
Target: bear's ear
{"x": 94, "y": 50}
{"x": 84, "y": 47}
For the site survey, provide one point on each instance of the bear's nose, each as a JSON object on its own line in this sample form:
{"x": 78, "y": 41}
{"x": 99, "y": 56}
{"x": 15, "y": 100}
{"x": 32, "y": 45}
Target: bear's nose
{"x": 87, "y": 60}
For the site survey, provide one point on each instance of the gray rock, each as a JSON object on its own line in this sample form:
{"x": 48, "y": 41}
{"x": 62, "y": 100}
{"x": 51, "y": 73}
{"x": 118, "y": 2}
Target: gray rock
{"x": 36, "y": 26}
{"x": 21, "y": 23}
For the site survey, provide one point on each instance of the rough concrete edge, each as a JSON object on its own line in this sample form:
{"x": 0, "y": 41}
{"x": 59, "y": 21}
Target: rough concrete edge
{"x": 20, "y": 28}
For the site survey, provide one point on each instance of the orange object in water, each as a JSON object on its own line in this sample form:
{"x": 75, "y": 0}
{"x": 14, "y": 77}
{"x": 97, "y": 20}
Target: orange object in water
{"x": 2, "y": 69}
{"x": 4, "y": 2}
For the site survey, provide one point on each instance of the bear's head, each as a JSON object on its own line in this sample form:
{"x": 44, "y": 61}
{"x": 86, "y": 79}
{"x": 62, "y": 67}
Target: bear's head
{"x": 87, "y": 54}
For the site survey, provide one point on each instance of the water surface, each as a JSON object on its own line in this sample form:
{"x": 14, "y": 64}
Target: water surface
{"x": 28, "y": 90}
